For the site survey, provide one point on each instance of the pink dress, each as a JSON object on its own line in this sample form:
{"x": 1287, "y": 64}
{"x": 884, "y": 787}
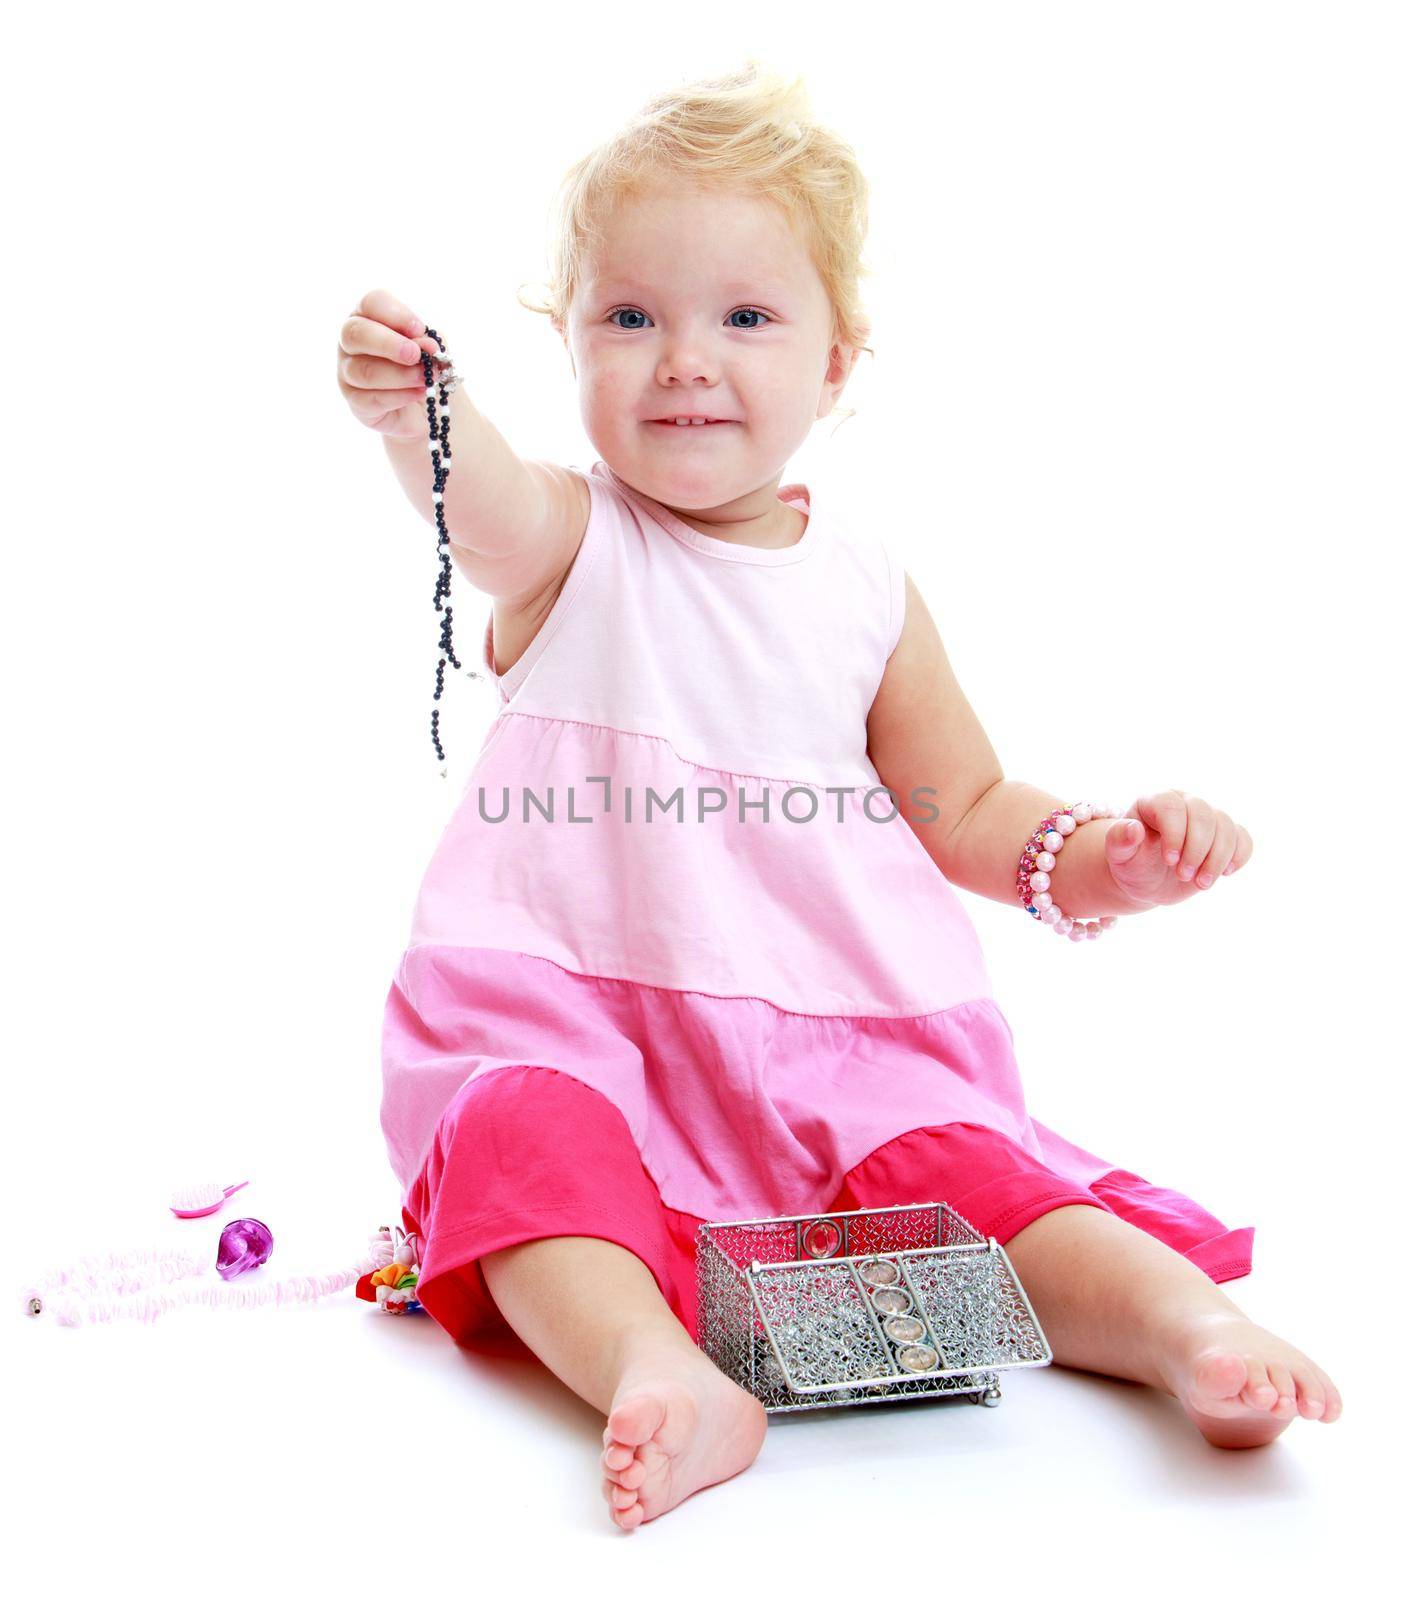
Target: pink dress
{"x": 675, "y": 881}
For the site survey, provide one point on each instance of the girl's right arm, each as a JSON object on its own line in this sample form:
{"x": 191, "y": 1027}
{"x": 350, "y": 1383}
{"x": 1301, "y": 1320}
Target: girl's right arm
{"x": 516, "y": 525}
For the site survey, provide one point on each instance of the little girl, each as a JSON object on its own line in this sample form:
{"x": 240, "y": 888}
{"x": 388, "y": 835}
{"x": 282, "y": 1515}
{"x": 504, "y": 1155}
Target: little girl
{"x": 676, "y": 958}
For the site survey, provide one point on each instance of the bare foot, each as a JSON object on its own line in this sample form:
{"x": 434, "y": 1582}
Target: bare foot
{"x": 1242, "y": 1385}
{"x": 677, "y": 1424}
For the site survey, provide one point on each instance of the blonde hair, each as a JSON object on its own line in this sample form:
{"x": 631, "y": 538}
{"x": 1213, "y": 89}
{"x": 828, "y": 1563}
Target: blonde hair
{"x": 752, "y": 130}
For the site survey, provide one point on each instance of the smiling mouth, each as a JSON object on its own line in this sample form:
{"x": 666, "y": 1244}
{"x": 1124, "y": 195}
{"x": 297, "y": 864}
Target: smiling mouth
{"x": 708, "y": 422}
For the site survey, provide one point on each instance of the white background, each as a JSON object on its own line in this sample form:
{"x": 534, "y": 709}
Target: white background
{"x": 1137, "y": 418}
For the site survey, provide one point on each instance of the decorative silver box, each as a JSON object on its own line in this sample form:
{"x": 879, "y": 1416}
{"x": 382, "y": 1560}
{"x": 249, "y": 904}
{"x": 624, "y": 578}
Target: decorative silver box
{"x": 855, "y": 1307}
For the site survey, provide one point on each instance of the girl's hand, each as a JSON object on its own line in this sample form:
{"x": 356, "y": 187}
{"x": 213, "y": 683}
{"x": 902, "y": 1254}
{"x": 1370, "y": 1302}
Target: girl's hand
{"x": 1175, "y": 846}
{"x": 379, "y": 366}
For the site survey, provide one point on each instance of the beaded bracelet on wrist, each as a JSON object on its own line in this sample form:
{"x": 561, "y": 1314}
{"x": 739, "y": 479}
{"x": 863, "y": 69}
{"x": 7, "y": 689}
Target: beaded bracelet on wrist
{"x": 1035, "y": 866}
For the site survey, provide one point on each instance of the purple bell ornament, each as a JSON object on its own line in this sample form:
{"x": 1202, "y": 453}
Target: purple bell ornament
{"x": 244, "y": 1243}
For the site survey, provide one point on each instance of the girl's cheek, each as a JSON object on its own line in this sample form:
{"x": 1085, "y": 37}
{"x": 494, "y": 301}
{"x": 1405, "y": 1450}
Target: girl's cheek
{"x": 602, "y": 371}
{"x": 604, "y": 397}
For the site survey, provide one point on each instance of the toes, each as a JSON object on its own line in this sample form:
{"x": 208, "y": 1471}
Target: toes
{"x": 1331, "y": 1395}
{"x": 1310, "y": 1406}
{"x": 617, "y": 1455}
{"x": 1220, "y": 1375}
{"x": 1280, "y": 1389}
{"x": 1259, "y": 1391}
{"x": 1310, "y": 1401}
{"x": 1282, "y": 1380}
{"x": 635, "y": 1419}
{"x": 625, "y": 1516}
{"x": 632, "y": 1476}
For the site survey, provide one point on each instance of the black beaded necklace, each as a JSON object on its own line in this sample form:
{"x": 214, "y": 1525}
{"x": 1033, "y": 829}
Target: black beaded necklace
{"x": 439, "y": 388}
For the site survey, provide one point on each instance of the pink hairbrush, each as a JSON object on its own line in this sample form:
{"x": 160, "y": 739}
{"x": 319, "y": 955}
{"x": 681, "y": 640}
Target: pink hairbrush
{"x": 200, "y": 1199}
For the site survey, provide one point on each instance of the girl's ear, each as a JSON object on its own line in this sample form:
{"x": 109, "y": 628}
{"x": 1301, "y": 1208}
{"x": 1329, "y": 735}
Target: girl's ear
{"x": 841, "y": 362}
{"x": 863, "y": 338}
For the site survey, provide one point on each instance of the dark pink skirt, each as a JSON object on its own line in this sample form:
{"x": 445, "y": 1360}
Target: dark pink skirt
{"x": 529, "y": 1153}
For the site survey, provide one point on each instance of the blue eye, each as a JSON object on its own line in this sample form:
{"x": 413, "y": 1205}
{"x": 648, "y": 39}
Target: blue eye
{"x": 748, "y": 311}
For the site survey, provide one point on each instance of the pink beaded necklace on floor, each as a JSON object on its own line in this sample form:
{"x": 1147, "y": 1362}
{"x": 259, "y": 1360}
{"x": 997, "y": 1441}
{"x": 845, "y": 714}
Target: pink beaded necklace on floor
{"x": 122, "y": 1284}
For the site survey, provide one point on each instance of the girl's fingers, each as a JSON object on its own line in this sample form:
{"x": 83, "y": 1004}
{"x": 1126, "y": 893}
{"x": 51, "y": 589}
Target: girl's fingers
{"x": 403, "y": 423}
{"x": 369, "y": 404}
{"x": 372, "y": 372}
{"x": 1220, "y": 852}
{"x": 372, "y": 355}
{"x": 1164, "y": 815}
{"x": 380, "y": 305}
{"x": 1194, "y": 838}
{"x": 1199, "y": 835}
{"x": 359, "y": 336}
{"x": 381, "y": 347}
{"x": 1243, "y": 849}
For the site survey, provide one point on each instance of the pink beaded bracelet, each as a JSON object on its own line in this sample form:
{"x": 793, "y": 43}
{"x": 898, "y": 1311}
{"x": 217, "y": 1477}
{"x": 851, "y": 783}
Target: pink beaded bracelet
{"x": 1037, "y": 862}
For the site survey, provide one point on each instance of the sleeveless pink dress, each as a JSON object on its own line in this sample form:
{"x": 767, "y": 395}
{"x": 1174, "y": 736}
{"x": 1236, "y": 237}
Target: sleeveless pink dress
{"x": 676, "y": 891}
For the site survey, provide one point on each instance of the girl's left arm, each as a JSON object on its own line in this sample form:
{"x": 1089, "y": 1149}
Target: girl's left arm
{"x": 931, "y": 752}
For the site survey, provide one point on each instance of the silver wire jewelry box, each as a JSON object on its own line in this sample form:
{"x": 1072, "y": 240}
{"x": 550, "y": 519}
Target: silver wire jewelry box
{"x": 856, "y": 1307}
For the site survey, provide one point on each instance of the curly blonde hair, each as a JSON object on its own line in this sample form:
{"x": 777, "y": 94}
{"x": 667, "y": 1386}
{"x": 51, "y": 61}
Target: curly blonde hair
{"x": 752, "y": 129}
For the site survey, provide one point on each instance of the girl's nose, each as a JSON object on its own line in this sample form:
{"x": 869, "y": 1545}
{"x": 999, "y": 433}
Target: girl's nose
{"x": 687, "y": 363}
